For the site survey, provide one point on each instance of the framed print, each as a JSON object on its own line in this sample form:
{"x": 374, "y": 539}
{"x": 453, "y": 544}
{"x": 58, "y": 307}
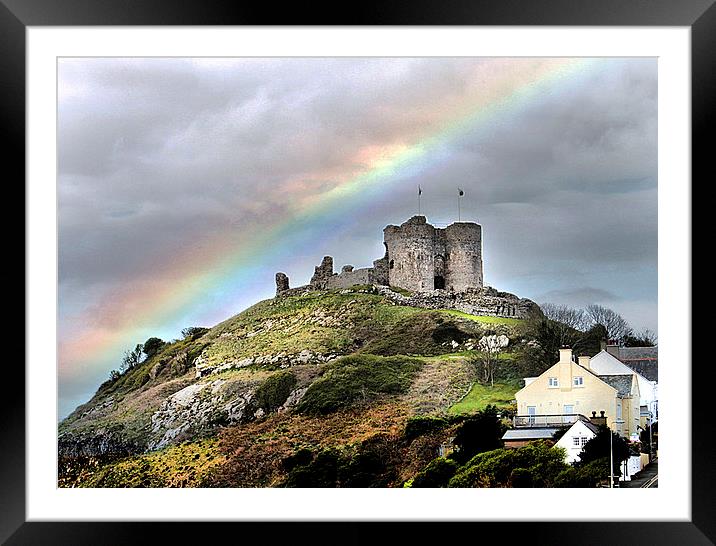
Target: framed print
{"x": 415, "y": 266}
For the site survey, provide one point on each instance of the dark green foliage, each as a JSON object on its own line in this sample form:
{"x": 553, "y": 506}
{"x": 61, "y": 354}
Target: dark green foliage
{"x": 521, "y": 477}
{"x": 550, "y": 336}
{"x": 497, "y": 468}
{"x": 302, "y": 457}
{"x": 646, "y": 338}
{"x": 193, "y": 332}
{"x": 114, "y": 375}
{"x": 598, "y": 448}
{"x": 358, "y": 378}
{"x": 422, "y": 424}
{"x": 321, "y": 471}
{"x": 436, "y": 474}
{"x": 363, "y": 466}
{"x": 588, "y": 475}
{"x": 273, "y": 392}
{"x": 152, "y": 346}
{"x": 478, "y": 433}
{"x": 561, "y": 431}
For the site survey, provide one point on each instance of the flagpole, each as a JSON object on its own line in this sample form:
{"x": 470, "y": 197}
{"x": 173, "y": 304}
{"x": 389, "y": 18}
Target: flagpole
{"x": 420, "y": 193}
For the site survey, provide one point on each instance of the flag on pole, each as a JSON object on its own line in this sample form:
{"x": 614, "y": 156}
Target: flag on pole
{"x": 460, "y": 192}
{"x": 420, "y": 191}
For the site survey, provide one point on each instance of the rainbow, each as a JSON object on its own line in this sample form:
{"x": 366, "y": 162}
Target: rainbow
{"x": 179, "y": 293}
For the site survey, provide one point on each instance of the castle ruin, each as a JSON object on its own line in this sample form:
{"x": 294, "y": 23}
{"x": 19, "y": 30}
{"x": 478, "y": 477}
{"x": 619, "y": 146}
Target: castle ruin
{"x": 440, "y": 267}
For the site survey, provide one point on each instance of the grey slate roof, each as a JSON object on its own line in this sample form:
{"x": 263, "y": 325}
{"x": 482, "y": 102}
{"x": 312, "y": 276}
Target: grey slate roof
{"x": 638, "y": 353}
{"x": 591, "y": 426}
{"x": 622, "y": 383}
{"x": 643, "y": 360}
{"x": 529, "y": 434}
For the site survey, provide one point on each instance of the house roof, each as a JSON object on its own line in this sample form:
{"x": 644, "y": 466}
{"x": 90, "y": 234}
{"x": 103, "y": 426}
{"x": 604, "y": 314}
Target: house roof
{"x": 648, "y": 367}
{"x": 529, "y": 434}
{"x": 638, "y": 353}
{"x": 591, "y": 426}
{"x": 622, "y": 383}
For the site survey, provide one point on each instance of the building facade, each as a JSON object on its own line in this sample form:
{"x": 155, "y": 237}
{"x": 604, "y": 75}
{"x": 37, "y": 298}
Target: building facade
{"x": 569, "y": 388}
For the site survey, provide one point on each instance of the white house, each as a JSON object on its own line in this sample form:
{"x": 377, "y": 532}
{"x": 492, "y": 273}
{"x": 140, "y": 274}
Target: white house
{"x": 575, "y": 438}
{"x": 609, "y": 362}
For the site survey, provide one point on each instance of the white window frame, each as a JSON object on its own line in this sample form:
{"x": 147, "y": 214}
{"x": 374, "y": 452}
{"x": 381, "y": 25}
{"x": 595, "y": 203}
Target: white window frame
{"x": 553, "y": 382}
{"x": 576, "y": 441}
{"x": 578, "y": 381}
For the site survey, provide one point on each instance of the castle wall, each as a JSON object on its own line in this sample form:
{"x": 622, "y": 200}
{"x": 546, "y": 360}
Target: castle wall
{"x": 463, "y": 242}
{"x": 411, "y": 254}
{"x": 423, "y": 258}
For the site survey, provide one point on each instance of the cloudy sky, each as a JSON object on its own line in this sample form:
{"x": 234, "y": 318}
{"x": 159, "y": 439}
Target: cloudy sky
{"x": 185, "y": 184}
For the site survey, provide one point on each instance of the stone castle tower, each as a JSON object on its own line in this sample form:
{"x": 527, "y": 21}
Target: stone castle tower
{"x": 423, "y": 258}
{"x": 440, "y": 267}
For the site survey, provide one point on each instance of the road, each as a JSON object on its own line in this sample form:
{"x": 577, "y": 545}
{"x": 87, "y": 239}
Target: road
{"x": 648, "y": 477}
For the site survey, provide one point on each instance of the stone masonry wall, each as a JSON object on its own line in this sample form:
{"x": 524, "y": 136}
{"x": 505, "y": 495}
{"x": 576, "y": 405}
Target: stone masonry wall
{"x": 423, "y": 258}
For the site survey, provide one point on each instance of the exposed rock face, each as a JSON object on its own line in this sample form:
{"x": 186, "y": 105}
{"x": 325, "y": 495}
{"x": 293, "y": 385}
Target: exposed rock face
{"x": 484, "y": 302}
{"x": 281, "y": 283}
{"x": 200, "y": 407}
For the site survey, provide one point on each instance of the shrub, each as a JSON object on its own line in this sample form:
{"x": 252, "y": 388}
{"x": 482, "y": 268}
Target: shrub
{"x": 356, "y": 378}
{"x": 521, "y": 477}
{"x": 436, "y": 474}
{"x": 481, "y": 432}
{"x": 273, "y": 392}
{"x": 502, "y": 467}
{"x": 420, "y": 425}
{"x": 152, "y": 346}
{"x": 193, "y": 332}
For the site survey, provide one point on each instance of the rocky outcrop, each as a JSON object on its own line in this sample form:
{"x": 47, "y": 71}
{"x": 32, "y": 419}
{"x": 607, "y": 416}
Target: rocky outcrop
{"x": 482, "y": 302}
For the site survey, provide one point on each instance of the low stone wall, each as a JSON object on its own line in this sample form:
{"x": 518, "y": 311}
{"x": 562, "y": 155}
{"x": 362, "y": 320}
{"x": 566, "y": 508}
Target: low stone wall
{"x": 480, "y": 301}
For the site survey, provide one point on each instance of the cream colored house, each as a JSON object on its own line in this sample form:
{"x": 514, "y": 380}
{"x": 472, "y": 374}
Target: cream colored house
{"x": 570, "y": 388}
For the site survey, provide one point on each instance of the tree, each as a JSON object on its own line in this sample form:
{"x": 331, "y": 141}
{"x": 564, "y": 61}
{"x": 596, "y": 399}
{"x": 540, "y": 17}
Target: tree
{"x": 193, "y": 332}
{"x": 573, "y": 318}
{"x": 152, "y": 346}
{"x": 487, "y": 355}
{"x": 645, "y": 338}
{"x": 114, "y": 375}
{"x": 132, "y": 358}
{"x": 617, "y": 328}
{"x": 482, "y": 432}
{"x": 598, "y": 448}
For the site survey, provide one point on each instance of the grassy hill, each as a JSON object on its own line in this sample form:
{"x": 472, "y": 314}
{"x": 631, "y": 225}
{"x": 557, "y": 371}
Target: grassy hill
{"x": 314, "y": 380}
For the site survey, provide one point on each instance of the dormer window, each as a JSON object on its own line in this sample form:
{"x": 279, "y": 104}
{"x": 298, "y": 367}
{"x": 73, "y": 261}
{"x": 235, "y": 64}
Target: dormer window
{"x": 578, "y": 381}
{"x": 553, "y": 382}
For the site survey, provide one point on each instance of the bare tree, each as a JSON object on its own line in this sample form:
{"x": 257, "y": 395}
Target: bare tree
{"x": 617, "y": 328}
{"x": 487, "y": 356}
{"x": 569, "y": 316}
{"x": 132, "y": 358}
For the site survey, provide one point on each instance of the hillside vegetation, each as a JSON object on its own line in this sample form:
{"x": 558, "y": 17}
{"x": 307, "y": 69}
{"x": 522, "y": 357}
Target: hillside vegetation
{"x": 318, "y": 387}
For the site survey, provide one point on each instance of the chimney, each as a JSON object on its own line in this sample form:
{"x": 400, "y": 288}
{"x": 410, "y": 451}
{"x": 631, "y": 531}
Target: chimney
{"x": 565, "y": 368}
{"x": 584, "y": 361}
{"x": 596, "y": 421}
{"x": 613, "y": 348}
{"x": 565, "y": 354}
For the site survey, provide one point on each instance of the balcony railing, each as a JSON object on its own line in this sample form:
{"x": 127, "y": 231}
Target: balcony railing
{"x": 541, "y": 421}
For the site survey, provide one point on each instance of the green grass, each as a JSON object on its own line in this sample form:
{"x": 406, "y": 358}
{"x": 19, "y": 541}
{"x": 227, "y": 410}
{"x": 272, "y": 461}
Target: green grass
{"x": 480, "y": 396}
{"x": 358, "y": 378}
{"x": 483, "y": 319}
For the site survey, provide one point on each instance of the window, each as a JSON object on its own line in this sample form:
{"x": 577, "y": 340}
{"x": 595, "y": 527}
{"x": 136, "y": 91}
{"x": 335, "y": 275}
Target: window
{"x": 553, "y": 382}
{"x": 575, "y": 441}
{"x": 619, "y": 410}
{"x": 584, "y": 440}
{"x": 578, "y": 381}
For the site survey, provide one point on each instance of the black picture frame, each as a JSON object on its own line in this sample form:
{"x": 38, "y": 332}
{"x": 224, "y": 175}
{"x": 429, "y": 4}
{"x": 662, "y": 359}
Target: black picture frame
{"x": 699, "y": 15}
